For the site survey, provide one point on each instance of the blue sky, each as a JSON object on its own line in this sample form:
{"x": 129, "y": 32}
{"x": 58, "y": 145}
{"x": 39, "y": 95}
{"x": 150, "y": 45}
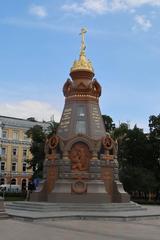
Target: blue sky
{"x": 39, "y": 40}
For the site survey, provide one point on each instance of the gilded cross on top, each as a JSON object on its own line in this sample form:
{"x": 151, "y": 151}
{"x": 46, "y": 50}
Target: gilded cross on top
{"x": 83, "y": 32}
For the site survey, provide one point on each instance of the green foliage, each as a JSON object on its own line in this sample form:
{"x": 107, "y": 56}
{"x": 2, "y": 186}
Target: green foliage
{"x": 52, "y": 128}
{"x": 154, "y": 125}
{"x": 39, "y": 136}
{"x": 108, "y": 123}
{"x": 121, "y": 131}
{"x": 32, "y": 119}
{"x": 138, "y": 155}
{"x": 36, "y": 133}
{"x": 138, "y": 179}
{"x": 133, "y": 148}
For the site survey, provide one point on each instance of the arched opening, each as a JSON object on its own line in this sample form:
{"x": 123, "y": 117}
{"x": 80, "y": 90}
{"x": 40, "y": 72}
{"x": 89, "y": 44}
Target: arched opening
{"x": 13, "y": 181}
{"x": 24, "y": 184}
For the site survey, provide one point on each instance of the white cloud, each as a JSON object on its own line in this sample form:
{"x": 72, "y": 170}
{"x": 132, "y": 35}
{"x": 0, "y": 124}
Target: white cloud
{"x": 98, "y": 6}
{"x": 87, "y": 6}
{"x": 76, "y": 8}
{"x": 134, "y": 3}
{"x": 38, "y": 10}
{"x": 103, "y": 6}
{"x": 29, "y": 108}
{"x": 142, "y": 22}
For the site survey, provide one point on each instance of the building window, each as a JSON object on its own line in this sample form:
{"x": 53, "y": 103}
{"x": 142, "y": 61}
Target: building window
{"x": 14, "y": 152}
{"x": 4, "y": 134}
{"x": 81, "y": 127}
{"x": 80, "y": 111}
{"x": 13, "y": 181}
{"x": 2, "y": 166}
{"x": 24, "y": 167}
{"x": 14, "y": 167}
{"x": 15, "y": 135}
{"x": 2, "y": 181}
{"x": 24, "y": 153}
{"x": 3, "y": 151}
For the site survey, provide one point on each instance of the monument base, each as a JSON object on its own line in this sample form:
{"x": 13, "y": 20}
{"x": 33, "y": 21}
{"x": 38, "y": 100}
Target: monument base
{"x": 40, "y": 194}
{"x": 65, "y": 191}
{"x": 119, "y": 194}
{"x": 91, "y": 192}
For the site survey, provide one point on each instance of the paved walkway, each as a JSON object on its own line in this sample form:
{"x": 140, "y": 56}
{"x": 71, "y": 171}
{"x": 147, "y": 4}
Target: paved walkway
{"x": 80, "y": 230}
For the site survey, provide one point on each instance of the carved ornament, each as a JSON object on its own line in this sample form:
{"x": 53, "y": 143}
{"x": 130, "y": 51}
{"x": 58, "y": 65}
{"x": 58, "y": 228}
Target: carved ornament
{"x": 108, "y": 143}
{"x": 53, "y": 142}
{"x": 79, "y": 187}
{"x": 82, "y": 88}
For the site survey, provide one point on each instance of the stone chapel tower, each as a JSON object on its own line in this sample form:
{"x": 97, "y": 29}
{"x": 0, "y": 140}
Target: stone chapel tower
{"x": 81, "y": 159}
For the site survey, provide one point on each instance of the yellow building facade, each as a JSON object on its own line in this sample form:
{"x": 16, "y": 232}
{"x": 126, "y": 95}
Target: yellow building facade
{"x": 15, "y": 150}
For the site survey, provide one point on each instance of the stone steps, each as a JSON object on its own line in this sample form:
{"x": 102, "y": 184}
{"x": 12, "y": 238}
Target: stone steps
{"x": 4, "y": 215}
{"x": 47, "y": 204}
{"x": 73, "y": 207}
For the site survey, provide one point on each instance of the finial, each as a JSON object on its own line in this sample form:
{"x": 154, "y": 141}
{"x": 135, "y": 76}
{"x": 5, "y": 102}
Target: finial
{"x": 83, "y": 46}
{"x": 83, "y": 63}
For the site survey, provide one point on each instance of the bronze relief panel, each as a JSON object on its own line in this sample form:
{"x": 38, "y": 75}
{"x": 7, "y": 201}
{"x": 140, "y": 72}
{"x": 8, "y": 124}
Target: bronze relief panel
{"x": 80, "y": 157}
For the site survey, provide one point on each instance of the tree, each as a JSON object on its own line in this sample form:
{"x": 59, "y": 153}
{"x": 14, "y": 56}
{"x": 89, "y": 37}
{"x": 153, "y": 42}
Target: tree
{"x": 154, "y": 137}
{"x": 39, "y": 136}
{"x": 138, "y": 155}
{"x": 119, "y": 134}
{"x": 154, "y": 125}
{"x": 139, "y": 179}
{"x": 108, "y": 123}
{"x": 121, "y": 131}
{"x": 52, "y": 128}
{"x": 137, "y": 166}
{"x": 32, "y": 119}
{"x": 134, "y": 147}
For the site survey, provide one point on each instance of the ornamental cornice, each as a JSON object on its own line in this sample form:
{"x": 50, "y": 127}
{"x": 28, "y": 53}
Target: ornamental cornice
{"x": 15, "y": 142}
{"x": 92, "y": 89}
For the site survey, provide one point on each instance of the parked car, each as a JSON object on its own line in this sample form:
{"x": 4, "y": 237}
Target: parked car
{"x": 10, "y": 188}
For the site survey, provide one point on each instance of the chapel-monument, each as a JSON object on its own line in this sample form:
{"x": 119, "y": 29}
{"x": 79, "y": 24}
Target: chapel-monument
{"x": 81, "y": 159}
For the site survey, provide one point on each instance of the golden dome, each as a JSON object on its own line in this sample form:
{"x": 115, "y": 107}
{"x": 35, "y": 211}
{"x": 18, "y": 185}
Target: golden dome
{"x": 83, "y": 63}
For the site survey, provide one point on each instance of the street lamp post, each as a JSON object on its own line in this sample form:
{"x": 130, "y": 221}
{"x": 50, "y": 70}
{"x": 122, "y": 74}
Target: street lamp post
{"x": 1, "y": 135}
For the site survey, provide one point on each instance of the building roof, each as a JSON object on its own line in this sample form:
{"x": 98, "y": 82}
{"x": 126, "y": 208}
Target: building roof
{"x": 6, "y": 121}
